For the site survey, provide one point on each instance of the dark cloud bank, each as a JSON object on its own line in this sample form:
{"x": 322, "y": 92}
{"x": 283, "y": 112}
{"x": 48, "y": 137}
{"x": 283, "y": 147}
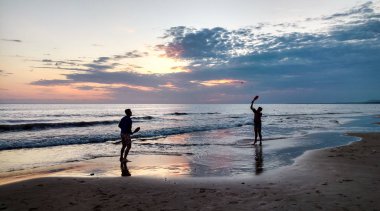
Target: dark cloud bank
{"x": 338, "y": 63}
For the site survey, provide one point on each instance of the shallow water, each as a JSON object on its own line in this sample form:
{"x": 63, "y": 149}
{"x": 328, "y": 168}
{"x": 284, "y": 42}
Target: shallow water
{"x": 215, "y": 139}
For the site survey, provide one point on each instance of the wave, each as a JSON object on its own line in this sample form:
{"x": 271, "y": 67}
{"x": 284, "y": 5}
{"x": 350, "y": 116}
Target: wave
{"x": 90, "y": 115}
{"x": 314, "y": 114}
{"x": 188, "y": 129}
{"x": 40, "y": 126}
{"x": 143, "y": 117}
{"x": 82, "y": 115}
{"x": 100, "y": 138}
{"x": 63, "y": 115}
{"x": 24, "y": 120}
{"x": 184, "y": 113}
{"x": 235, "y": 117}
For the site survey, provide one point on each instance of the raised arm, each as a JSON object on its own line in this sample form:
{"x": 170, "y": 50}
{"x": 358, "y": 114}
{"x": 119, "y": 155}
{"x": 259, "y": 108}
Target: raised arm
{"x": 252, "y": 108}
{"x": 253, "y": 101}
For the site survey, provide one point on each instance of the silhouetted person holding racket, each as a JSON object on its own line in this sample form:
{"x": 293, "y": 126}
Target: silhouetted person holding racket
{"x": 257, "y": 120}
{"x": 125, "y": 125}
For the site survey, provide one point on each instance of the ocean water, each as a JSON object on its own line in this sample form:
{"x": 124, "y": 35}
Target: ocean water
{"x": 215, "y": 139}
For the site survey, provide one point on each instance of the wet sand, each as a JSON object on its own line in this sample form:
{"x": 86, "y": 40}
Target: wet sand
{"x": 341, "y": 178}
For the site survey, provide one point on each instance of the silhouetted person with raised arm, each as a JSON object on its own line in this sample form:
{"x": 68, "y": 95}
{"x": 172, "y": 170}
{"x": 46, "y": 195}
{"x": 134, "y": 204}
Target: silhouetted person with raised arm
{"x": 257, "y": 120}
{"x": 125, "y": 125}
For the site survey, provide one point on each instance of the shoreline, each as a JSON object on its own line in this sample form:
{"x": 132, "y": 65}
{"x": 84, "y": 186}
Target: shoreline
{"x": 165, "y": 165}
{"x": 339, "y": 178}
{"x": 146, "y": 166}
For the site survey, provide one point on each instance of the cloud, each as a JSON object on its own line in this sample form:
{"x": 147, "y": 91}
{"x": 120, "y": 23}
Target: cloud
{"x": 130, "y": 55}
{"x": 95, "y": 67}
{"x": 119, "y": 77}
{"x": 12, "y": 40}
{"x": 85, "y": 87}
{"x": 141, "y": 88}
{"x": 365, "y": 8}
{"x": 287, "y": 62}
{"x": 102, "y": 63}
{"x": 71, "y": 64}
{"x": 205, "y": 44}
{"x": 100, "y": 71}
{"x": 220, "y": 82}
{"x": 54, "y": 82}
{"x": 107, "y": 80}
{"x": 170, "y": 85}
{"x": 5, "y": 73}
{"x": 102, "y": 59}
{"x": 339, "y": 56}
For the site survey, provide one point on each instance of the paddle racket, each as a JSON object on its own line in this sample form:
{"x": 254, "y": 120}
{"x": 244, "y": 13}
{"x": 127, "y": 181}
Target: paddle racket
{"x": 136, "y": 130}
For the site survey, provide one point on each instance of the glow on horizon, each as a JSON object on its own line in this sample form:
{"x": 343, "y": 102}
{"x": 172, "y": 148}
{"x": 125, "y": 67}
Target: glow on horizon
{"x": 60, "y": 93}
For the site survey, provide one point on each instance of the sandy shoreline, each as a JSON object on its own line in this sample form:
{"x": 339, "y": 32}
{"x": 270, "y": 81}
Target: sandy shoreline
{"x": 341, "y": 178}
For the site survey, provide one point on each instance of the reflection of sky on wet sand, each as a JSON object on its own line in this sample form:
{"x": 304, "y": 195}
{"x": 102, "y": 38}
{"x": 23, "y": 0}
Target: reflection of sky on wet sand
{"x": 141, "y": 165}
{"x": 163, "y": 166}
{"x": 207, "y": 153}
{"x": 158, "y": 166}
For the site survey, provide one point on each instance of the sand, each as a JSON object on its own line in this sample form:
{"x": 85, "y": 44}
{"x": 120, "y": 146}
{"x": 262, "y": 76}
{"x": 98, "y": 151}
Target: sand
{"x": 341, "y": 178}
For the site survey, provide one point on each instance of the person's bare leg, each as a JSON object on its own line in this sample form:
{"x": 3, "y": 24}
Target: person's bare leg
{"x": 122, "y": 147}
{"x": 260, "y": 136}
{"x": 129, "y": 145}
{"x": 122, "y": 151}
{"x": 255, "y": 137}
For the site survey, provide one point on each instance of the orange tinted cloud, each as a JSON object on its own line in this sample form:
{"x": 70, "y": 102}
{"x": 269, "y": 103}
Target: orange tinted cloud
{"x": 220, "y": 82}
{"x": 170, "y": 85}
{"x": 99, "y": 86}
{"x": 141, "y": 88}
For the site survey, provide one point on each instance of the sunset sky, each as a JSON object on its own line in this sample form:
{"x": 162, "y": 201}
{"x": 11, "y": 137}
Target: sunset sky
{"x": 174, "y": 51}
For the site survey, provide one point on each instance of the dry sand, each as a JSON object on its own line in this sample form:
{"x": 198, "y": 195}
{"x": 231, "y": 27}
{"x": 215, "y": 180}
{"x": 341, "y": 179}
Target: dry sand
{"x": 342, "y": 178}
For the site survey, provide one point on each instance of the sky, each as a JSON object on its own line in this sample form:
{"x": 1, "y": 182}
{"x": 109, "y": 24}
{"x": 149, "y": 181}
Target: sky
{"x": 175, "y": 51}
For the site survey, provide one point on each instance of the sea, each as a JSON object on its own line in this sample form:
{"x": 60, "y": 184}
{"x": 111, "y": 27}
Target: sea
{"x": 215, "y": 139}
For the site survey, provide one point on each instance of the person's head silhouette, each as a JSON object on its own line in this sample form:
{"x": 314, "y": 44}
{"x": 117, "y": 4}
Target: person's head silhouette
{"x": 128, "y": 112}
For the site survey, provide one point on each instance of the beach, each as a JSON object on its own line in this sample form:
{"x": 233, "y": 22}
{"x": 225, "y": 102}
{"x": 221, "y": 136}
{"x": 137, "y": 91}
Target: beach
{"x": 340, "y": 178}
{"x": 185, "y": 105}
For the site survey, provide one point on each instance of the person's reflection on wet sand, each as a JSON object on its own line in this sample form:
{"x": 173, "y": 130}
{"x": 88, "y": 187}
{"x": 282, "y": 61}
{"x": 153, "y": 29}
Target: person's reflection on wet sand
{"x": 124, "y": 169}
{"x": 259, "y": 159}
